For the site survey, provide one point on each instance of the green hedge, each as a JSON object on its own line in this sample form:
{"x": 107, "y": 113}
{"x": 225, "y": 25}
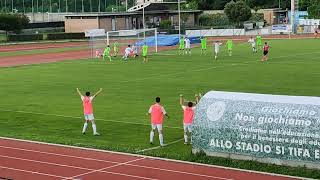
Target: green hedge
{"x": 25, "y": 37}
{"x": 57, "y": 36}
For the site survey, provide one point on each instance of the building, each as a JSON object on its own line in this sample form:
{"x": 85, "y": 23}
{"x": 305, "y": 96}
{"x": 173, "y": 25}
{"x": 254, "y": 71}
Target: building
{"x": 129, "y": 20}
{"x": 275, "y": 16}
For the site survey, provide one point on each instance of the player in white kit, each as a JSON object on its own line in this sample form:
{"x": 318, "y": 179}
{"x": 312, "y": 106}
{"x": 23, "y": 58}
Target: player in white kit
{"x": 216, "y": 46}
{"x": 187, "y": 46}
{"x": 127, "y": 53}
{"x": 253, "y": 44}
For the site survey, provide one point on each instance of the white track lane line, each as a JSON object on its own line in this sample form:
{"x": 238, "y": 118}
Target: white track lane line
{"x": 158, "y": 147}
{"x": 31, "y": 172}
{"x": 155, "y": 158}
{"x": 74, "y": 167}
{"x": 102, "y": 169}
{"x": 99, "y": 160}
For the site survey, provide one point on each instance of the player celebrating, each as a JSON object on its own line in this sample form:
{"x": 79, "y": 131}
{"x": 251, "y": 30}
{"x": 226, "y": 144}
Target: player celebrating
{"x": 266, "y": 49}
{"x": 115, "y": 49}
{"x": 188, "y": 46}
{"x": 229, "y": 45}
{"x": 216, "y": 46}
{"x": 88, "y": 111}
{"x": 253, "y": 44}
{"x": 259, "y": 41}
{"x": 188, "y": 115}
{"x": 181, "y": 45}
{"x": 106, "y": 53}
{"x": 145, "y": 52}
{"x": 127, "y": 53}
{"x": 203, "y": 45}
{"x": 157, "y": 112}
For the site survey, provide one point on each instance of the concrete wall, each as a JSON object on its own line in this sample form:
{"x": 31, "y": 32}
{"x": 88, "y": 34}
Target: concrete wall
{"x": 81, "y": 25}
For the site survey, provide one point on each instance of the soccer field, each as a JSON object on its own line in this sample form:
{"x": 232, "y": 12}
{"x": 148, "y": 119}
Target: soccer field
{"x": 40, "y": 102}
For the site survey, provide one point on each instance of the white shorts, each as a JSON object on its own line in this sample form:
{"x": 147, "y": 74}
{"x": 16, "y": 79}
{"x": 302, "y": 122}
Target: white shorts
{"x": 89, "y": 117}
{"x": 156, "y": 126}
{"x": 187, "y": 127}
{"x": 188, "y": 46}
{"x": 216, "y": 51}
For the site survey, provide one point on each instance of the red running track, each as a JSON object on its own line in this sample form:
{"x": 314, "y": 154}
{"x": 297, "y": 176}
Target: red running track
{"x": 37, "y": 161}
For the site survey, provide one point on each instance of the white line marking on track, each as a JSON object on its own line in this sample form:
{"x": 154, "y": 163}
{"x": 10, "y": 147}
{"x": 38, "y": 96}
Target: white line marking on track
{"x": 109, "y": 167}
{"x": 99, "y": 160}
{"x": 157, "y": 158}
{"x": 74, "y": 167}
{"x": 158, "y": 147}
{"x": 31, "y": 172}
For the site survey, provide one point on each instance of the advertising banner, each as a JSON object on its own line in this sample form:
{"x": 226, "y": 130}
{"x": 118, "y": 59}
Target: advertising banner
{"x": 267, "y": 128}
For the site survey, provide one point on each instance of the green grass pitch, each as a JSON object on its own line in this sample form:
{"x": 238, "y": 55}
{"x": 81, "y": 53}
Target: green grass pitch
{"x": 40, "y": 102}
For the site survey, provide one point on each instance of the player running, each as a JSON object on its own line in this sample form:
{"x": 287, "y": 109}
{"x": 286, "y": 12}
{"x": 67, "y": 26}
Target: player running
{"x": 127, "y": 52}
{"x": 188, "y": 115}
{"x": 145, "y": 48}
{"x": 216, "y": 46}
{"x": 253, "y": 44}
{"x": 106, "y": 53}
{"x": 229, "y": 45}
{"x": 115, "y": 49}
{"x": 88, "y": 111}
{"x": 266, "y": 49}
{"x": 259, "y": 40}
{"x": 188, "y": 46}
{"x": 181, "y": 46}
{"x": 157, "y": 113}
{"x": 203, "y": 45}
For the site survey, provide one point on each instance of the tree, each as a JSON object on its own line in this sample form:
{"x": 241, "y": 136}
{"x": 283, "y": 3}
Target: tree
{"x": 314, "y": 9}
{"x": 13, "y": 22}
{"x": 237, "y": 12}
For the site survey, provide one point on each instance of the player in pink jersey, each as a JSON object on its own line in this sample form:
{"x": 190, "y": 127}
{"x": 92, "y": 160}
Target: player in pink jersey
{"x": 188, "y": 115}
{"x": 157, "y": 113}
{"x": 88, "y": 111}
{"x": 266, "y": 49}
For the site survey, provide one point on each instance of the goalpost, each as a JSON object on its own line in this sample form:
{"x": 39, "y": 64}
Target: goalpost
{"x": 123, "y": 38}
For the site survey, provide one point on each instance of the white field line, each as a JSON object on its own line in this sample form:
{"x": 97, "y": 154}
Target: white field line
{"x": 155, "y": 158}
{"x": 109, "y": 167}
{"x": 99, "y": 160}
{"x": 158, "y": 147}
{"x": 76, "y": 117}
{"x": 31, "y": 172}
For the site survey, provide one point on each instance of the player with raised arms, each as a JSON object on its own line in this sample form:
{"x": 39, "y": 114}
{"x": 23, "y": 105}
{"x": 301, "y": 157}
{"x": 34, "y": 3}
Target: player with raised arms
{"x": 188, "y": 115}
{"x": 88, "y": 111}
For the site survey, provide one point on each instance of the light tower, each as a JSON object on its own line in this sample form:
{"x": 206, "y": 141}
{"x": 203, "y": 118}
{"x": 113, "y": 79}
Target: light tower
{"x": 294, "y": 12}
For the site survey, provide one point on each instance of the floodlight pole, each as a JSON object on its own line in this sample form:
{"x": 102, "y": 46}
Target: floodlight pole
{"x": 179, "y": 12}
{"x": 143, "y": 23}
{"x": 292, "y": 15}
{"x": 126, "y": 5}
{"x": 82, "y": 6}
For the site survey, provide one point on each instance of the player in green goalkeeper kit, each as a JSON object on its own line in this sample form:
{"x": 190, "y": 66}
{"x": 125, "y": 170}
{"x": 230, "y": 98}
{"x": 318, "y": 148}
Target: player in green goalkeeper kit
{"x": 106, "y": 53}
{"x": 145, "y": 52}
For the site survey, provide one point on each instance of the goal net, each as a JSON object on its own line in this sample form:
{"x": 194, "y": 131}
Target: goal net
{"x": 122, "y": 38}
